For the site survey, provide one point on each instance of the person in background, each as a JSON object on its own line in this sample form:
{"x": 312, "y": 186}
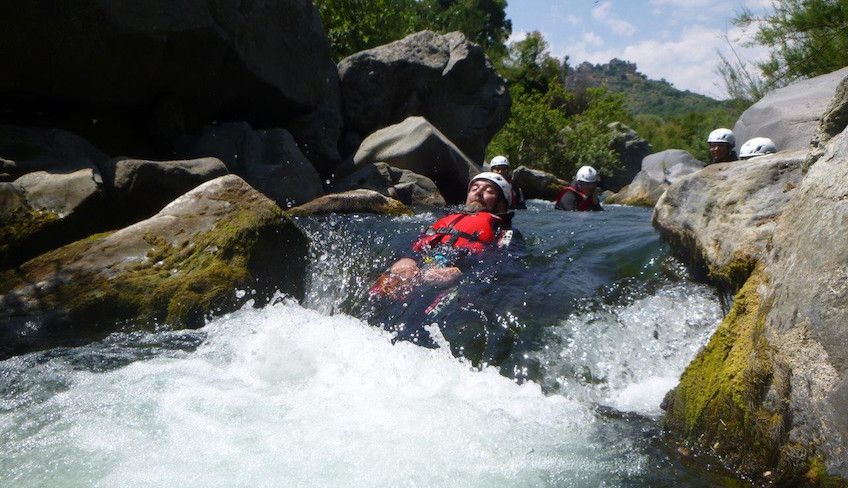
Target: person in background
{"x": 722, "y": 144}
{"x": 438, "y": 254}
{"x": 580, "y": 195}
{"x": 758, "y": 146}
{"x": 500, "y": 165}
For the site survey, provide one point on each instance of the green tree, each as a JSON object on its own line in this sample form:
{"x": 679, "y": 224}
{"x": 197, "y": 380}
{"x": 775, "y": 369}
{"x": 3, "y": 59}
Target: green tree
{"x": 806, "y": 38}
{"x": 482, "y": 21}
{"x": 357, "y": 25}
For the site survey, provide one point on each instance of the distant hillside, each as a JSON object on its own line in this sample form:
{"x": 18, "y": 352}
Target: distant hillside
{"x": 644, "y": 96}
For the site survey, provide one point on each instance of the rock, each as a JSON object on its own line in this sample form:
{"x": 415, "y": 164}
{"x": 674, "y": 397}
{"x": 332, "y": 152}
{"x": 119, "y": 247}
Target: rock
{"x": 416, "y": 145}
{"x": 833, "y": 121}
{"x": 407, "y": 187}
{"x": 354, "y": 201}
{"x": 659, "y": 170}
{"x": 789, "y": 116}
{"x": 123, "y": 71}
{"x": 27, "y": 149}
{"x": 175, "y": 268}
{"x": 631, "y": 150}
{"x": 538, "y": 184}
{"x": 775, "y": 374}
{"x": 721, "y": 217}
{"x": 269, "y": 160}
{"x": 141, "y": 188}
{"x": 443, "y": 78}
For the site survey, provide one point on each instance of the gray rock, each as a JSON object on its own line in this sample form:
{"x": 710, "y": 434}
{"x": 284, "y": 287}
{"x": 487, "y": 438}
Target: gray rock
{"x": 416, "y": 145}
{"x": 354, "y": 201}
{"x": 808, "y": 270}
{"x": 269, "y": 160}
{"x": 176, "y": 267}
{"x": 631, "y": 150}
{"x": 27, "y": 149}
{"x": 444, "y": 78}
{"x": 141, "y": 188}
{"x": 659, "y": 170}
{"x": 722, "y": 217}
{"x": 833, "y": 121}
{"x": 406, "y": 186}
{"x": 537, "y": 184}
{"x": 790, "y": 116}
{"x": 264, "y": 62}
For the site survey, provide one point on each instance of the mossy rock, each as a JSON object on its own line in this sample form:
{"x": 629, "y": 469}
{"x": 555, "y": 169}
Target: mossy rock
{"x": 354, "y": 201}
{"x": 175, "y": 268}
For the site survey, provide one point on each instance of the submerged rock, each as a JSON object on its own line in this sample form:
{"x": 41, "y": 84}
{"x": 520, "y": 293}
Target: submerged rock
{"x": 416, "y": 145}
{"x": 441, "y": 77}
{"x": 185, "y": 262}
{"x": 659, "y": 170}
{"x": 354, "y": 201}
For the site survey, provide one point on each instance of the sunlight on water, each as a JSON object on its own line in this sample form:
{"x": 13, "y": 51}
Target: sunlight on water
{"x": 285, "y": 396}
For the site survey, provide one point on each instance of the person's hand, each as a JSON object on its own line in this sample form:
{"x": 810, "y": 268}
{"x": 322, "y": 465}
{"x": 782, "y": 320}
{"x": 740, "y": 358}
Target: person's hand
{"x": 398, "y": 281}
{"x": 441, "y": 276}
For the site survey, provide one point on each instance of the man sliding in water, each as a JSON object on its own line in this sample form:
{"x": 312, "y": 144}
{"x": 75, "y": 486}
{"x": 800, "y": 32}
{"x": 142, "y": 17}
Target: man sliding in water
{"x": 438, "y": 252}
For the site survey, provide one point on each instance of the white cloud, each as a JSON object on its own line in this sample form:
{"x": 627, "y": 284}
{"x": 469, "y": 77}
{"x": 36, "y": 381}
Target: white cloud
{"x": 605, "y": 14}
{"x": 573, "y": 19}
{"x": 592, "y": 39}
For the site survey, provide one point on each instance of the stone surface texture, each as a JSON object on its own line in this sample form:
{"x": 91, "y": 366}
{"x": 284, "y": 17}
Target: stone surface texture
{"x": 659, "y": 170}
{"x": 353, "y": 201}
{"x": 402, "y": 184}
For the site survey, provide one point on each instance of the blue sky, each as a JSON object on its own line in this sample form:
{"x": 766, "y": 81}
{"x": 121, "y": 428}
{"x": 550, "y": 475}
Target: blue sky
{"x": 672, "y": 39}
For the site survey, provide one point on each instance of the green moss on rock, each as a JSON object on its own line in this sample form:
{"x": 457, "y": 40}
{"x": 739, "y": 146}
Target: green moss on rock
{"x": 19, "y": 226}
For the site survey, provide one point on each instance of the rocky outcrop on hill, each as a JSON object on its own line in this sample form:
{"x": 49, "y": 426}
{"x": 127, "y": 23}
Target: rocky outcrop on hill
{"x": 659, "y": 170}
{"x": 418, "y": 146}
{"x": 537, "y": 184}
{"x": 768, "y": 392}
{"x": 789, "y": 116}
{"x": 443, "y": 78}
{"x": 401, "y": 184}
{"x": 138, "y": 76}
{"x": 175, "y": 268}
{"x": 269, "y": 160}
{"x": 354, "y": 201}
{"x": 631, "y": 150}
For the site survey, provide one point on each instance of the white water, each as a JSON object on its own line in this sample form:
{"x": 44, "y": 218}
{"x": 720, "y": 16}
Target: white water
{"x": 285, "y": 396}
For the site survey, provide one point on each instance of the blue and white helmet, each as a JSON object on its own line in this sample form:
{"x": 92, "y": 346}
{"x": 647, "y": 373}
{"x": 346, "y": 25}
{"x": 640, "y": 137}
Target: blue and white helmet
{"x": 758, "y": 146}
{"x": 722, "y": 135}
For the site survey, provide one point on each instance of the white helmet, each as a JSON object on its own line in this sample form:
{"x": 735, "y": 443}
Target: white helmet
{"x": 587, "y": 174}
{"x": 498, "y": 180}
{"x": 499, "y": 161}
{"x": 757, "y": 146}
{"x": 722, "y": 135}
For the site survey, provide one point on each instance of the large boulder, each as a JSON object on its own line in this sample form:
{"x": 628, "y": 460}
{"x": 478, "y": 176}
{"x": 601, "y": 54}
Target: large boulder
{"x": 721, "y": 218}
{"x": 834, "y": 119}
{"x": 121, "y": 71}
{"x": 538, "y": 184}
{"x": 353, "y": 201}
{"x": 269, "y": 160}
{"x": 768, "y": 392}
{"x": 443, "y": 78}
{"x": 174, "y": 268}
{"x": 631, "y": 150}
{"x": 790, "y": 116}
{"x": 140, "y": 188}
{"x": 418, "y": 146}
{"x": 659, "y": 170}
{"x": 406, "y": 186}
{"x": 57, "y": 196}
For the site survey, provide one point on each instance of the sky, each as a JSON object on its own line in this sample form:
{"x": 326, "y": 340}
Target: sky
{"x": 676, "y": 40}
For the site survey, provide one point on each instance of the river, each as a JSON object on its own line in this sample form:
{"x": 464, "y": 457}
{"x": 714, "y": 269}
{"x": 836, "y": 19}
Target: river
{"x": 575, "y": 337}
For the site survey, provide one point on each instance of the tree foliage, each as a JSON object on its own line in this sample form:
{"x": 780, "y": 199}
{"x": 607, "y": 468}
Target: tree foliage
{"x": 357, "y": 25}
{"x": 687, "y": 131}
{"x": 806, "y": 38}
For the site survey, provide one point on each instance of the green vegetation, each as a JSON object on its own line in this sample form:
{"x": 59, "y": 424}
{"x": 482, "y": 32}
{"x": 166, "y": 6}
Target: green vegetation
{"x": 806, "y": 38}
{"x": 354, "y": 25}
{"x": 687, "y": 131}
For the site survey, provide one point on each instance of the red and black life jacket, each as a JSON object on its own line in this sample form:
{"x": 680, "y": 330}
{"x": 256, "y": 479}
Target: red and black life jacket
{"x": 584, "y": 202}
{"x": 473, "y": 232}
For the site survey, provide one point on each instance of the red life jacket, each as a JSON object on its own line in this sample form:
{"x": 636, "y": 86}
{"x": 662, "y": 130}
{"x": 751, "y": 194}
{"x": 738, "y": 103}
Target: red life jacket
{"x": 461, "y": 230}
{"x": 584, "y": 202}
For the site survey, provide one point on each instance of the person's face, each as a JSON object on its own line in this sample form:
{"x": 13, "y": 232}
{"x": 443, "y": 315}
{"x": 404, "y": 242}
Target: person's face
{"x": 502, "y": 170}
{"x": 587, "y": 188}
{"x": 485, "y": 194}
{"x": 719, "y": 151}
